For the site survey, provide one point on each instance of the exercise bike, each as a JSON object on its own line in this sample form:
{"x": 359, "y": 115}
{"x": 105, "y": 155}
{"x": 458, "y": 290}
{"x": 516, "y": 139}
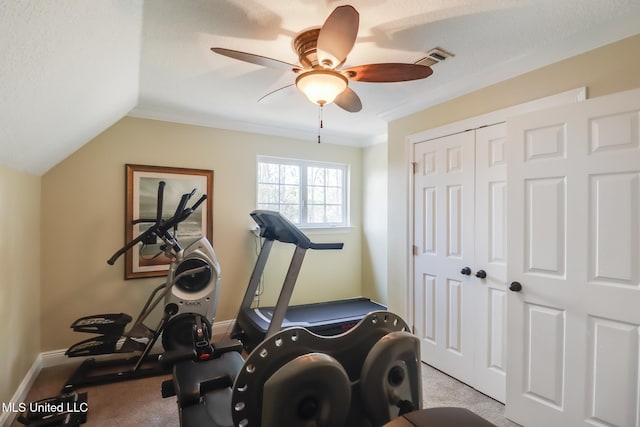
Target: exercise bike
{"x": 362, "y": 378}
{"x": 188, "y": 296}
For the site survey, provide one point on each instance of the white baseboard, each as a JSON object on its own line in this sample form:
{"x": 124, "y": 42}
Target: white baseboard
{"x": 222, "y": 328}
{"x": 51, "y": 358}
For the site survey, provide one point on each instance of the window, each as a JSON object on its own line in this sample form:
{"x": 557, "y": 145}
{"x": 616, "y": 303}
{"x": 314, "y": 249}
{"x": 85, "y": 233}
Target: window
{"x": 310, "y": 194}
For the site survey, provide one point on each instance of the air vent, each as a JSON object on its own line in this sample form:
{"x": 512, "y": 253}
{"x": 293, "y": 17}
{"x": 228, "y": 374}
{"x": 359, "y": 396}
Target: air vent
{"x": 435, "y": 56}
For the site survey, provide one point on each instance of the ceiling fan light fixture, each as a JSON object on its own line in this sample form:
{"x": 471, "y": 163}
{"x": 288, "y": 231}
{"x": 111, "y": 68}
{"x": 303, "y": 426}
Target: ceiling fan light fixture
{"x": 321, "y": 86}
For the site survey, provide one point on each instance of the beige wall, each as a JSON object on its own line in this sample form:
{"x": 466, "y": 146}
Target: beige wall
{"x": 374, "y": 221}
{"x": 609, "y": 69}
{"x": 20, "y": 283}
{"x": 83, "y": 217}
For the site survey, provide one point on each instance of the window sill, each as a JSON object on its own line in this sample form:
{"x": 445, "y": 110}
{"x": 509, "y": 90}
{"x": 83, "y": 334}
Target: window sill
{"x": 338, "y": 229}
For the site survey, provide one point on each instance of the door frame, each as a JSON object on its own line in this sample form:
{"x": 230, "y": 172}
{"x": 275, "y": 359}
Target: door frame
{"x": 494, "y": 117}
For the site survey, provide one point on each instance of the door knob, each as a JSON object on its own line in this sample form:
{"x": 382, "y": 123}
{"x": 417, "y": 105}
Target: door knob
{"x": 481, "y": 274}
{"x": 515, "y": 287}
{"x": 466, "y": 271}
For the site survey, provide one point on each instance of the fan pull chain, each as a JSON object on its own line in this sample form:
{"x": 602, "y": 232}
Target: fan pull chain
{"x": 321, "y": 125}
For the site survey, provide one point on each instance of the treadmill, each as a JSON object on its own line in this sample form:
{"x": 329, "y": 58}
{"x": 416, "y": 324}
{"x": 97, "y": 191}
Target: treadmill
{"x": 253, "y": 325}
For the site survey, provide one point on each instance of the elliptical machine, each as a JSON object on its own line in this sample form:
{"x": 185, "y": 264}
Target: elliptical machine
{"x": 189, "y": 296}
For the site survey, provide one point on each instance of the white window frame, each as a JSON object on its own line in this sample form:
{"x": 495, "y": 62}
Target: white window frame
{"x": 303, "y": 189}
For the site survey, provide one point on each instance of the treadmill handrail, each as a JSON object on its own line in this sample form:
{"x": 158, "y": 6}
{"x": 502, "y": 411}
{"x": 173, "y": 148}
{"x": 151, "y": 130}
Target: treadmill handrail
{"x": 275, "y": 226}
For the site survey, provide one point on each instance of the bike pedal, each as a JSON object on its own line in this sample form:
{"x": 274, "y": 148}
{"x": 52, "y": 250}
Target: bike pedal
{"x": 43, "y": 407}
{"x": 67, "y": 410}
{"x": 93, "y": 346}
{"x": 168, "y": 389}
{"x": 65, "y": 419}
{"x": 105, "y": 324}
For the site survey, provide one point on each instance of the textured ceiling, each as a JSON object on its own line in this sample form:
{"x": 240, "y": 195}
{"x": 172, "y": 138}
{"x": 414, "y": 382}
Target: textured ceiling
{"x": 71, "y": 68}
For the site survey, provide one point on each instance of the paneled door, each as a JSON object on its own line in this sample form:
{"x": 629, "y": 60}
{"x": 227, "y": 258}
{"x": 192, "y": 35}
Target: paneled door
{"x": 459, "y": 256}
{"x": 491, "y": 257}
{"x": 574, "y": 264}
{"x": 443, "y": 238}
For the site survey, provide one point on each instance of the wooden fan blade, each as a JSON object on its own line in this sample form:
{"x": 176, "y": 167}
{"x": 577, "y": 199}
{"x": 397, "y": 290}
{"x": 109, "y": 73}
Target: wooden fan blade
{"x": 256, "y": 59}
{"x": 389, "y": 72}
{"x": 348, "y": 100}
{"x": 337, "y": 36}
{"x": 277, "y": 94}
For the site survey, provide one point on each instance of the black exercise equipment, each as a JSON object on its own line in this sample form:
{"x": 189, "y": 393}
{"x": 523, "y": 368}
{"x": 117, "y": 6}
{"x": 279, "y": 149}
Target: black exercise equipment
{"x": 368, "y": 376}
{"x": 199, "y": 375}
{"x": 68, "y": 410}
{"x": 363, "y": 377}
{"x": 325, "y": 318}
{"x": 189, "y": 296}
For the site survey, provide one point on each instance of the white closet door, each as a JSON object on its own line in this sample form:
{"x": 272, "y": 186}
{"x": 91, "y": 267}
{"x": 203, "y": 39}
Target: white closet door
{"x": 443, "y": 227}
{"x": 574, "y": 246}
{"x": 491, "y": 257}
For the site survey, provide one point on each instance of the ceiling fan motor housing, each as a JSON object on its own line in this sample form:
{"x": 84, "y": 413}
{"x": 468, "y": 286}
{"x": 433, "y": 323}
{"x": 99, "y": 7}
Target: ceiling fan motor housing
{"x": 306, "y": 45}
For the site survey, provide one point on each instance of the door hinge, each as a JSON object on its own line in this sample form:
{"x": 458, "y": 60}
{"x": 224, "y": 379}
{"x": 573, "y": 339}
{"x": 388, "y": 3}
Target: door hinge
{"x": 414, "y": 167}
{"x": 415, "y": 250}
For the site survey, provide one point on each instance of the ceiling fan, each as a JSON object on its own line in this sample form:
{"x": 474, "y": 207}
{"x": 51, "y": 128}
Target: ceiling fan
{"x": 321, "y": 52}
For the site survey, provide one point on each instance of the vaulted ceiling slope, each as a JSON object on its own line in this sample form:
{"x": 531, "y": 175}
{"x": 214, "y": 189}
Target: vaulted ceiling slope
{"x": 72, "y": 68}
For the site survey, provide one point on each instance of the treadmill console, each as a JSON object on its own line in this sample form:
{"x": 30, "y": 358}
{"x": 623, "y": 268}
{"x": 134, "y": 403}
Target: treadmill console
{"x": 275, "y": 226}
